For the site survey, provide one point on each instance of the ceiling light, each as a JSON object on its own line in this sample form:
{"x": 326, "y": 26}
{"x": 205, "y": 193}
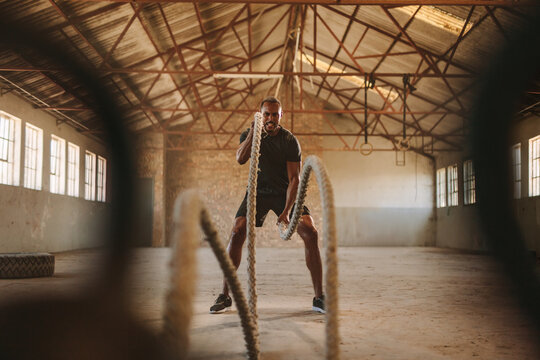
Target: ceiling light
{"x": 440, "y": 18}
{"x": 353, "y": 79}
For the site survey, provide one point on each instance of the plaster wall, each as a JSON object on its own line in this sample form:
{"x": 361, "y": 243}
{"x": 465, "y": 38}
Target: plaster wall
{"x": 32, "y": 220}
{"x": 379, "y": 203}
{"x": 458, "y": 226}
{"x": 527, "y": 208}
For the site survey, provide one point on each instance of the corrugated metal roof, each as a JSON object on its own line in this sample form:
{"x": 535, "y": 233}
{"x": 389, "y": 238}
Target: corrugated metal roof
{"x": 129, "y": 44}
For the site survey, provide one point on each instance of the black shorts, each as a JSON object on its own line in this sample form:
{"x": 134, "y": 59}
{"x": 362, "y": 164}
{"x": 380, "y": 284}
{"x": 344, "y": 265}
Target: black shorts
{"x": 276, "y": 203}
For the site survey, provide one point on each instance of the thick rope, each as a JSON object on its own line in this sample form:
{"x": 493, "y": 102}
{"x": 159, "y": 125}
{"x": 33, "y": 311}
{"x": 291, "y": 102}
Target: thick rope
{"x": 189, "y": 214}
{"x": 178, "y": 302}
{"x": 178, "y": 309}
{"x": 251, "y": 210}
{"x": 330, "y": 243}
{"x": 329, "y": 235}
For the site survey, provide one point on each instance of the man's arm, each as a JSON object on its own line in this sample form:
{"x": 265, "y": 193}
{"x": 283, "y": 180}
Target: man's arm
{"x": 244, "y": 149}
{"x": 293, "y": 172}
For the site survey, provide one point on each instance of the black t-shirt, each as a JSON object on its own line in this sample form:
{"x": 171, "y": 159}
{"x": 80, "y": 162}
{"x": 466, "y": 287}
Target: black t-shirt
{"x": 275, "y": 152}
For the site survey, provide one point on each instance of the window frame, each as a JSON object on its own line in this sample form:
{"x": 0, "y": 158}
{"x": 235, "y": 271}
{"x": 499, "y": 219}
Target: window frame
{"x": 101, "y": 183}
{"x": 534, "y": 166}
{"x": 73, "y": 170}
{"x": 57, "y": 166}
{"x": 33, "y": 157}
{"x": 89, "y": 176}
{"x": 516, "y": 170}
{"x": 10, "y": 149}
{"x": 452, "y": 185}
{"x": 441, "y": 188}
{"x": 469, "y": 183}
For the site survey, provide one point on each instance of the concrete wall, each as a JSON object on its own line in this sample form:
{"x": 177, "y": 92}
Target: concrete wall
{"x": 459, "y": 227}
{"x": 379, "y": 203}
{"x": 33, "y": 220}
{"x": 527, "y": 208}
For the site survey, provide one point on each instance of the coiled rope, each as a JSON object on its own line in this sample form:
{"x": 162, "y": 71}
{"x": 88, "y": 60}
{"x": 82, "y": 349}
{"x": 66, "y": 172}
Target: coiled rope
{"x": 189, "y": 217}
{"x": 329, "y": 235}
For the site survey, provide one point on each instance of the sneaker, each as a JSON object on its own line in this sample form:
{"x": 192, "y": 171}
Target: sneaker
{"x": 318, "y": 304}
{"x": 222, "y": 303}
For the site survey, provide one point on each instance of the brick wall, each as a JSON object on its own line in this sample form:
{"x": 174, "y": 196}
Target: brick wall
{"x": 222, "y": 182}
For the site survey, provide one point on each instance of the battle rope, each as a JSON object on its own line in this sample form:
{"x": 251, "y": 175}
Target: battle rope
{"x": 329, "y": 234}
{"x": 189, "y": 214}
{"x": 251, "y": 209}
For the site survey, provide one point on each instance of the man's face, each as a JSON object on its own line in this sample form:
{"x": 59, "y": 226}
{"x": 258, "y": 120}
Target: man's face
{"x": 271, "y": 113}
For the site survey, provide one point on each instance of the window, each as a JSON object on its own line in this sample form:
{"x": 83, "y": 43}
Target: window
{"x": 73, "y": 170}
{"x": 90, "y": 176}
{"x": 534, "y": 166}
{"x": 516, "y": 170}
{"x": 10, "y": 144}
{"x": 58, "y": 165}
{"x": 33, "y": 157}
{"x": 469, "y": 186}
{"x": 441, "y": 188}
{"x": 452, "y": 185}
{"x": 101, "y": 178}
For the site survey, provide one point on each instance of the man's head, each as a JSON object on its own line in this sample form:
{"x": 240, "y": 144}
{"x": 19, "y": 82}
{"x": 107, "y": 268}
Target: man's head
{"x": 272, "y": 113}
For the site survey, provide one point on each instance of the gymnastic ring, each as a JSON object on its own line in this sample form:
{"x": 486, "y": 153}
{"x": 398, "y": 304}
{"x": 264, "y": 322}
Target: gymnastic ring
{"x": 403, "y": 144}
{"x": 366, "y": 149}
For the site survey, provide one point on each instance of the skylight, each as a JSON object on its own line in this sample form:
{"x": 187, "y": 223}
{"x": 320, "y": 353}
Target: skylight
{"x": 323, "y": 66}
{"x": 439, "y": 18}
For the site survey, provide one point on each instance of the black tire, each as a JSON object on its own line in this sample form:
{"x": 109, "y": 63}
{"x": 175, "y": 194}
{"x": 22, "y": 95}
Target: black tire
{"x": 26, "y": 265}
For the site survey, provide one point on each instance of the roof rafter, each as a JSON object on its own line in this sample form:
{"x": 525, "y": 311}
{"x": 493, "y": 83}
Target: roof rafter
{"x": 509, "y": 3}
{"x": 86, "y": 41}
{"x": 426, "y": 58}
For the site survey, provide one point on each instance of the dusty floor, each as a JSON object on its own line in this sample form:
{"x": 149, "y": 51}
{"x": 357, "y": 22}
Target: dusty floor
{"x": 395, "y": 303}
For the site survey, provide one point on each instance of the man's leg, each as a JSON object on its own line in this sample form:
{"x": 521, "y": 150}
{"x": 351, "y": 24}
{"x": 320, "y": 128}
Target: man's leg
{"x": 309, "y": 234}
{"x": 238, "y": 236}
{"x": 236, "y": 242}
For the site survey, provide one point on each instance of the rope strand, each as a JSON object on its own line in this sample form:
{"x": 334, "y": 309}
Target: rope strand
{"x": 189, "y": 214}
{"x": 312, "y": 163}
{"x": 251, "y": 211}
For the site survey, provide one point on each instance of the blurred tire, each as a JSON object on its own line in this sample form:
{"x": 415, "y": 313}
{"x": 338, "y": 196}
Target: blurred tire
{"x": 26, "y": 265}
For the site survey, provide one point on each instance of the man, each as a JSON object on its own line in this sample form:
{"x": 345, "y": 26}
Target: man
{"x": 277, "y": 185}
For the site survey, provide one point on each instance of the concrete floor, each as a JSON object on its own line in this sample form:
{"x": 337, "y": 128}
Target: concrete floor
{"x": 395, "y": 303}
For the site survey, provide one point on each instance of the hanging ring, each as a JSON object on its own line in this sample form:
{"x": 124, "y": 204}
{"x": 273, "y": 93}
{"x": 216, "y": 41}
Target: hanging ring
{"x": 366, "y": 149}
{"x": 403, "y": 144}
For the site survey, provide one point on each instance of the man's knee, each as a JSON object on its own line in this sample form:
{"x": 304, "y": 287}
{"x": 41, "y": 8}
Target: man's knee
{"x": 238, "y": 232}
{"x": 307, "y": 230}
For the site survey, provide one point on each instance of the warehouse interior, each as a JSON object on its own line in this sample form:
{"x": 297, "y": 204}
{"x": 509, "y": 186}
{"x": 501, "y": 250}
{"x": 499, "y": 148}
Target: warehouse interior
{"x": 383, "y": 92}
